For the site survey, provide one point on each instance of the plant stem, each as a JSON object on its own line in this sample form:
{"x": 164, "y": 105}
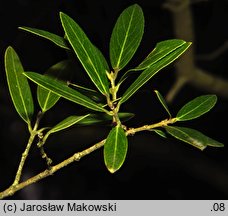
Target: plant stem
{"x": 113, "y": 91}
{"x": 24, "y": 156}
{"x": 23, "y": 159}
{"x": 163, "y": 123}
{"x": 76, "y": 157}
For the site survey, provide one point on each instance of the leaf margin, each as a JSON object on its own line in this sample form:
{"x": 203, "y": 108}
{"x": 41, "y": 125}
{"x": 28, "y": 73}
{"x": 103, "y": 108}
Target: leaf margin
{"x": 23, "y": 96}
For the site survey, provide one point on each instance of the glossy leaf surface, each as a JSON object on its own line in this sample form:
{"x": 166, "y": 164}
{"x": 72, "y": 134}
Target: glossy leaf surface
{"x": 161, "y": 49}
{"x": 91, "y": 58}
{"x": 59, "y": 41}
{"x": 192, "y": 137}
{"x": 160, "y": 133}
{"x": 115, "y": 149}
{"x": 66, "y": 123}
{"x": 126, "y": 36}
{"x": 148, "y": 73}
{"x": 163, "y": 102}
{"x": 46, "y": 98}
{"x": 94, "y": 95}
{"x": 196, "y": 107}
{"x": 61, "y": 89}
{"x": 18, "y": 85}
{"x": 102, "y": 118}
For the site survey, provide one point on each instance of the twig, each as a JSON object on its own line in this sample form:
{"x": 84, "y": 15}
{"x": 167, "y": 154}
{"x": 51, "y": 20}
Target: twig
{"x": 33, "y": 133}
{"x": 23, "y": 159}
{"x": 186, "y": 68}
{"x": 76, "y": 157}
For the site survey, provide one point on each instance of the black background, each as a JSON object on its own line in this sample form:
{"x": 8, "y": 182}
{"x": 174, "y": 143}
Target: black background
{"x": 155, "y": 168}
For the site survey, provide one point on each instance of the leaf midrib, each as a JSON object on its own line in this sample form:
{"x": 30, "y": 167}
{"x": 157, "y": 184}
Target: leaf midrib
{"x": 142, "y": 81}
{"x": 46, "y": 100}
{"x": 115, "y": 147}
{"x": 53, "y": 130}
{"x": 93, "y": 66}
{"x": 125, "y": 39}
{"x": 71, "y": 95}
{"x": 19, "y": 88}
{"x": 56, "y": 39}
{"x": 193, "y": 109}
{"x": 188, "y": 138}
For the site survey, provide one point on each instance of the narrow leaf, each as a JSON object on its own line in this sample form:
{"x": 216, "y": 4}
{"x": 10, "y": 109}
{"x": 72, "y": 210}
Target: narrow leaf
{"x": 115, "y": 149}
{"x": 126, "y": 36}
{"x": 196, "y": 107}
{"x": 103, "y": 118}
{"x": 94, "y": 95}
{"x": 160, "y": 133}
{"x": 66, "y": 123}
{"x": 161, "y": 49}
{"x": 61, "y": 89}
{"x": 59, "y": 41}
{"x": 91, "y": 58}
{"x": 148, "y": 73}
{"x": 192, "y": 137}
{"x": 46, "y": 98}
{"x": 18, "y": 85}
{"x": 163, "y": 102}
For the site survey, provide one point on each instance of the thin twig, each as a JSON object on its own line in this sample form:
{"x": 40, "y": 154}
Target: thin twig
{"x": 33, "y": 133}
{"x": 76, "y": 157}
{"x": 23, "y": 159}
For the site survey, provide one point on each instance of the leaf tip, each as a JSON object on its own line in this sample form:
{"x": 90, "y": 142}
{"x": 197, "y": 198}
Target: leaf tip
{"x": 61, "y": 15}
{"x": 111, "y": 170}
{"x": 9, "y": 48}
{"x": 21, "y": 27}
{"x": 202, "y": 148}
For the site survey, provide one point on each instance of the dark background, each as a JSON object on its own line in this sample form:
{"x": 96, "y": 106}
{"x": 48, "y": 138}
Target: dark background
{"x": 155, "y": 168}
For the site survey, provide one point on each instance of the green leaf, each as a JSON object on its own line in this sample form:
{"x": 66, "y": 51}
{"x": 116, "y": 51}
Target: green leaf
{"x": 148, "y": 73}
{"x": 18, "y": 85}
{"x": 161, "y": 49}
{"x": 46, "y": 98}
{"x": 61, "y": 89}
{"x": 103, "y": 118}
{"x": 125, "y": 116}
{"x": 67, "y": 122}
{"x": 196, "y": 107}
{"x": 94, "y": 95}
{"x": 59, "y": 41}
{"x": 91, "y": 58}
{"x": 163, "y": 102}
{"x": 126, "y": 36}
{"x": 159, "y": 132}
{"x": 115, "y": 149}
{"x": 192, "y": 137}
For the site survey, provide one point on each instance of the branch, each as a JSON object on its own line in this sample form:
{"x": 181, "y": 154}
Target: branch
{"x": 23, "y": 159}
{"x": 76, "y": 157}
{"x": 186, "y": 68}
